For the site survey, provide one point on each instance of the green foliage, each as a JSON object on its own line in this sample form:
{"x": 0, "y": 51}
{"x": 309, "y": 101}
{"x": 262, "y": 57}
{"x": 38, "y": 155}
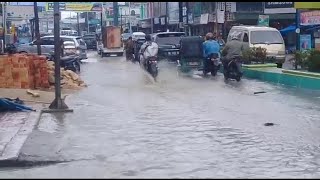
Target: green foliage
{"x": 255, "y": 54}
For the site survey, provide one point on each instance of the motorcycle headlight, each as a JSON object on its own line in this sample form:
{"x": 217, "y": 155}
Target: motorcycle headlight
{"x": 78, "y": 51}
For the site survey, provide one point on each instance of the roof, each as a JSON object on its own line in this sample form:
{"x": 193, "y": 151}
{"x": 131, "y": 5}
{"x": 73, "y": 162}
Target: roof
{"x": 63, "y": 36}
{"x": 254, "y": 27}
{"x": 168, "y": 33}
{"x": 138, "y": 33}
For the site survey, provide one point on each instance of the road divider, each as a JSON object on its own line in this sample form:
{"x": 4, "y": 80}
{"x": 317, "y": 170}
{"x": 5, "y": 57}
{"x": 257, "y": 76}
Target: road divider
{"x": 298, "y": 79}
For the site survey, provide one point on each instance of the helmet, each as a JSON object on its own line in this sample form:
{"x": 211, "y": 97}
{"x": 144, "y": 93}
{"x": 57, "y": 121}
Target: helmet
{"x": 148, "y": 37}
{"x": 209, "y": 36}
{"x": 235, "y": 37}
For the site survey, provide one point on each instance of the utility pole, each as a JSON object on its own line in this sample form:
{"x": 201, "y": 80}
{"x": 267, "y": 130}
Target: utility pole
{"x": 188, "y": 12}
{"x": 88, "y": 26}
{"x": 216, "y": 23}
{"x": 4, "y": 27}
{"x": 180, "y": 16}
{"x": 78, "y": 23}
{"x": 121, "y": 29}
{"x": 36, "y": 21}
{"x": 130, "y": 18}
{"x": 58, "y": 103}
{"x": 115, "y": 14}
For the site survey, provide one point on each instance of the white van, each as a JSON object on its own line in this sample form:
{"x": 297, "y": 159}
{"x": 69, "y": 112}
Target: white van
{"x": 265, "y": 37}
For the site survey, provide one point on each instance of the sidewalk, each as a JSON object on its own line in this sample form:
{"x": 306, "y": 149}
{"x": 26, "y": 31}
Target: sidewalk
{"x": 15, "y": 128}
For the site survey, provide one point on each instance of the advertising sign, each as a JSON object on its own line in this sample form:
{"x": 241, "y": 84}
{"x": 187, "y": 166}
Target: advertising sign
{"x": 263, "y": 20}
{"x": 279, "y": 7}
{"x": 305, "y": 42}
{"x": 271, "y": 5}
{"x": 76, "y": 6}
{"x": 307, "y": 5}
{"x": 310, "y": 18}
{"x": 204, "y": 18}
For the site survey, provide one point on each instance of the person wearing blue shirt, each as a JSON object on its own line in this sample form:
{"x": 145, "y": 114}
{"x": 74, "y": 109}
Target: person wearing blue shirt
{"x": 210, "y": 46}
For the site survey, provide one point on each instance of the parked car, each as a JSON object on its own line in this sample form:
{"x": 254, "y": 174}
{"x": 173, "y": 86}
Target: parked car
{"x": 90, "y": 40}
{"x": 169, "y": 44}
{"x": 125, "y": 37}
{"x": 75, "y": 44}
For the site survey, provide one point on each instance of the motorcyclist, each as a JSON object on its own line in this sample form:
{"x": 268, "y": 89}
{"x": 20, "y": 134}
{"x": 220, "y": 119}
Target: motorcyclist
{"x": 129, "y": 47}
{"x": 232, "y": 48}
{"x": 210, "y": 46}
{"x": 147, "y": 50}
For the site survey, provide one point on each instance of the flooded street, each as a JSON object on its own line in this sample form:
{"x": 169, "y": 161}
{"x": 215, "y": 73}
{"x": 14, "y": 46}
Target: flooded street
{"x": 126, "y": 126}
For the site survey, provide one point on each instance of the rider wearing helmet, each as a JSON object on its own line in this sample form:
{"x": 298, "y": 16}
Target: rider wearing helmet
{"x": 232, "y": 48}
{"x": 210, "y": 46}
{"x": 147, "y": 50}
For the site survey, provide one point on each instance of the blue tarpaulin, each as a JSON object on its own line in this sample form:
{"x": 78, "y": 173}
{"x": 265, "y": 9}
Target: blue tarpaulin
{"x": 288, "y": 29}
{"x": 292, "y": 28}
{"x": 10, "y": 105}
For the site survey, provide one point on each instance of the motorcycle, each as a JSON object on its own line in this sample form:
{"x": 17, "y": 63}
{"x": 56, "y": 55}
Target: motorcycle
{"x": 233, "y": 69}
{"x": 152, "y": 66}
{"x": 70, "y": 62}
{"x": 213, "y": 64}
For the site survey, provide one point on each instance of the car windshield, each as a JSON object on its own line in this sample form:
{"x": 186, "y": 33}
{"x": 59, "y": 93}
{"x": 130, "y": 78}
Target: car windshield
{"x": 174, "y": 38}
{"x": 265, "y": 37}
{"x": 89, "y": 37}
{"x": 68, "y": 43}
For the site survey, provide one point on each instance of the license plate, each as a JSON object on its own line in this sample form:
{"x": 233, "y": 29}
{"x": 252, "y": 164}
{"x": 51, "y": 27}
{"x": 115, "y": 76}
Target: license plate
{"x": 193, "y": 63}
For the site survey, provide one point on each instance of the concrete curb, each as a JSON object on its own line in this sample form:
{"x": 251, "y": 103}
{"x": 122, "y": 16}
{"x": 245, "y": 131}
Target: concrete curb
{"x": 13, "y": 148}
{"x": 277, "y": 76}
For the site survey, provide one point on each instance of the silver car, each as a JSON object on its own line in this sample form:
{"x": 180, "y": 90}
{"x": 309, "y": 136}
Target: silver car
{"x": 47, "y": 46}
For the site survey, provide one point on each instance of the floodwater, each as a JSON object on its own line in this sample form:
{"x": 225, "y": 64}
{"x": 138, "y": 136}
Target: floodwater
{"x": 126, "y": 126}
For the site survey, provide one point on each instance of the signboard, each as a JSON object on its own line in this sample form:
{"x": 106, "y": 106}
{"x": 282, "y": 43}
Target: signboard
{"x": 76, "y": 6}
{"x": 305, "y": 42}
{"x": 310, "y": 18}
{"x": 156, "y": 20}
{"x": 271, "y": 5}
{"x": 307, "y": 5}
{"x": 190, "y": 18}
{"x": 220, "y": 17}
{"x": 163, "y": 21}
{"x": 204, "y": 18}
{"x": 263, "y": 20}
{"x": 279, "y": 7}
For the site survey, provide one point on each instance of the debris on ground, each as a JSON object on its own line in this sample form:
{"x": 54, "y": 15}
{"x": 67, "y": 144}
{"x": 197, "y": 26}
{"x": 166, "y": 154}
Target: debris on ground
{"x": 34, "y": 94}
{"x": 69, "y": 79}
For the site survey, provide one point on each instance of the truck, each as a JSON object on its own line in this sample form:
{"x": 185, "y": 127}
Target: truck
{"x": 110, "y": 42}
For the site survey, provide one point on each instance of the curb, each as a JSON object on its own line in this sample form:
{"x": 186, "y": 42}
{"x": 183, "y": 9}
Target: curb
{"x": 13, "y": 149}
{"x": 279, "y": 77}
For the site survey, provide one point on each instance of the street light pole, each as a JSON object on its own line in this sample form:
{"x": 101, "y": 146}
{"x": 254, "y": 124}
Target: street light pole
{"x": 4, "y": 27}
{"x": 58, "y": 103}
{"x": 36, "y": 21}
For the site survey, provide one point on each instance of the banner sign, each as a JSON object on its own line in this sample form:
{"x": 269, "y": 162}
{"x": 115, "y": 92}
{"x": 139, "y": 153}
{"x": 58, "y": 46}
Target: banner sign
{"x": 263, "y": 20}
{"x": 305, "y": 42}
{"x": 307, "y": 5}
{"x": 76, "y": 6}
{"x": 272, "y": 5}
{"x": 310, "y": 18}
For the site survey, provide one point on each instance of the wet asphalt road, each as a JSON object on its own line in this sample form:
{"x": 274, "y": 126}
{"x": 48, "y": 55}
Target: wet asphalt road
{"x": 126, "y": 126}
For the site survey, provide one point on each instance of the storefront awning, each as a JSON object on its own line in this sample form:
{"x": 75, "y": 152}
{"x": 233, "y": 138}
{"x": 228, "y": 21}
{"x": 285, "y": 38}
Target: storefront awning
{"x": 292, "y": 28}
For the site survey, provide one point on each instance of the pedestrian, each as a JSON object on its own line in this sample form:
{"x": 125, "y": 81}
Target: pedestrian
{"x": 129, "y": 48}
{"x": 221, "y": 41}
